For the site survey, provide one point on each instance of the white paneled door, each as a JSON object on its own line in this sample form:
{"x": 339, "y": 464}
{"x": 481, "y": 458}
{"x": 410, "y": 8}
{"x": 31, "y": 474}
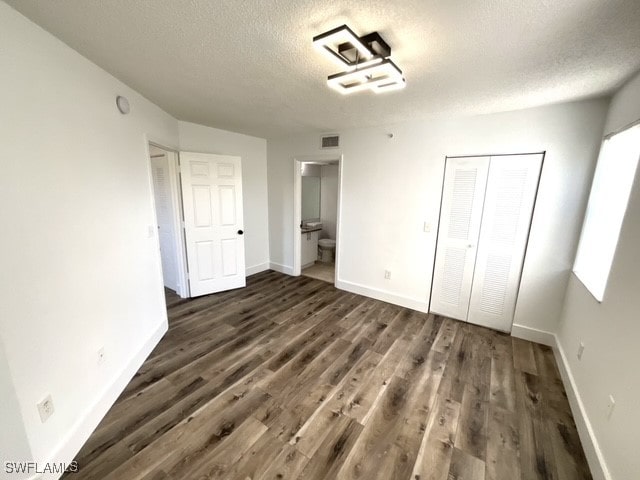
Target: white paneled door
{"x": 212, "y": 202}
{"x": 465, "y": 180}
{"x": 488, "y": 202}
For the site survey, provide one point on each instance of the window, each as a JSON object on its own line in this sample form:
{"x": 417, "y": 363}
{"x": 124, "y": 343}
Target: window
{"x": 608, "y": 200}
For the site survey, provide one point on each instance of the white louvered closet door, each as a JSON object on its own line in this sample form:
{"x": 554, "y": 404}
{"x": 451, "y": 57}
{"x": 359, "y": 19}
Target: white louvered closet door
{"x": 460, "y": 216}
{"x": 508, "y": 207}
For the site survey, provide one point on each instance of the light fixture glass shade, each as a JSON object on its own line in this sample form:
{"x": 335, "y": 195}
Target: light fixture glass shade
{"x": 379, "y": 76}
{"x": 389, "y": 87}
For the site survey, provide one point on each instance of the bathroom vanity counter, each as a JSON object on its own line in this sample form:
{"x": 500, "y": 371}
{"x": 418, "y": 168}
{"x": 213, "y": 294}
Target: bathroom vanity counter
{"x": 310, "y": 229}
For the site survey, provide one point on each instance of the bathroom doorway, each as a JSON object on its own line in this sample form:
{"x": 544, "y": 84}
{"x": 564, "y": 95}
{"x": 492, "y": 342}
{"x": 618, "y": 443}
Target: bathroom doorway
{"x": 316, "y": 229}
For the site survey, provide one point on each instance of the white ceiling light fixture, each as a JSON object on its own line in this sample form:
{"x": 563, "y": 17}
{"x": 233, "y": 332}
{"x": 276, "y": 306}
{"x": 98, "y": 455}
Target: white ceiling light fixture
{"x": 366, "y": 60}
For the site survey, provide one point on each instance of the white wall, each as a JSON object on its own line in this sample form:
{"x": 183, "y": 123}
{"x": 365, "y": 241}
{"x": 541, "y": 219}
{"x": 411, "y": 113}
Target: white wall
{"x": 610, "y": 331}
{"x": 253, "y": 150}
{"x": 328, "y": 200}
{"x": 390, "y": 186}
{"x": 14, "y": 445}
{"x": 79, "y": 268}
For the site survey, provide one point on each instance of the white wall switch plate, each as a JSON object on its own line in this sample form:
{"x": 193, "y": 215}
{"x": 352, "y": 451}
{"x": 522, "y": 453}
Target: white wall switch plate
{"x": 426, "y": 227}
{"x": 45, "y": 408}
{"x": 387, "y": 275}
{"x": 580, "y": 351}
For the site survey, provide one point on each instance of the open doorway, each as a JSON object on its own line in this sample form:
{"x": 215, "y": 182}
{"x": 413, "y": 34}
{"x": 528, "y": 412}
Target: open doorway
{"x": 169, "y": 220}
{"x": 316, "y": 187}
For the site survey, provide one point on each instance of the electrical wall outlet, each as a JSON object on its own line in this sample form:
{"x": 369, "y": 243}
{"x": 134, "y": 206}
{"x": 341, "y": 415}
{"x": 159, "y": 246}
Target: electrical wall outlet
{"x": 387, "y": 275}
{"x": 580, "y": 350}
{"x": 45, "y": 408}
{"x": 611, "y": 405}
{"x": 101, "y": 356}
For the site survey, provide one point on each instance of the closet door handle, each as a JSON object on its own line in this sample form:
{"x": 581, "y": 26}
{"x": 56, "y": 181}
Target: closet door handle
{"x": 470, "y": 246}
{"x": 240, "y": 232}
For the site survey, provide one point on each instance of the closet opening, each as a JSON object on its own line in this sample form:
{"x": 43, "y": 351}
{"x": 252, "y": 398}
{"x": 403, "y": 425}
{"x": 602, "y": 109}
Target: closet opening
{"x": 167, "y": 198}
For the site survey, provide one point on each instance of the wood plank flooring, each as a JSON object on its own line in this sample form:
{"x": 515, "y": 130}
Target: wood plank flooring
{"x": 290, "y": 378}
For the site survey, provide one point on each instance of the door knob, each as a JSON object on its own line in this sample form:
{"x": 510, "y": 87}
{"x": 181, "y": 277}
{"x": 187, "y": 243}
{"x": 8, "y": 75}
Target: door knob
{"x": 240, "y": 232}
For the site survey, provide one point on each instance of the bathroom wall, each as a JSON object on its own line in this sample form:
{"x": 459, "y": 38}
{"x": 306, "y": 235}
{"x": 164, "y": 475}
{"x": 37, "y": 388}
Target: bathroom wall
{"x": 328, "y": 200}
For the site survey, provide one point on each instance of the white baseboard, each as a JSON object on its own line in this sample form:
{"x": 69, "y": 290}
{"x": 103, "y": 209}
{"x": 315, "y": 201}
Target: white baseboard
{"x": 281, "y": 268}
{"x": 84, "y": 427}
{"x": 592, "y": 451}
{"x": 261, "y": 267}
{"x": 533, "y": 335}
{"x": 412, "y": 303}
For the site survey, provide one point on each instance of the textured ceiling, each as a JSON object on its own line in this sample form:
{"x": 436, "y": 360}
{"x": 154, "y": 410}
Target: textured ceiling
{"x": 249, "y": 65}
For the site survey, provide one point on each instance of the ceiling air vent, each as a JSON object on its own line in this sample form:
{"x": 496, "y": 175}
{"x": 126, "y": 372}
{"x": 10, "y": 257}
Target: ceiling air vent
{"x": 330, "y": 141}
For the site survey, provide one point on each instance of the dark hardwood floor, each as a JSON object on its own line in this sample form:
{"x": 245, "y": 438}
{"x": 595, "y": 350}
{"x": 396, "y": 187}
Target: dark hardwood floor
{"x": 291, "y": 378}
{"x": 171, "y": 298}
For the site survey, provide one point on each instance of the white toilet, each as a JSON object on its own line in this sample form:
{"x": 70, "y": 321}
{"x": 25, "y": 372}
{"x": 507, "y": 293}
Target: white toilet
{"x": 327, "y": 249}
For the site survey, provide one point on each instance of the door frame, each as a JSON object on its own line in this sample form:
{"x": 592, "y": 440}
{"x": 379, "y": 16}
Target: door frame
{"x": 173, "y": 157}
{"x": 298, "y": 161}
